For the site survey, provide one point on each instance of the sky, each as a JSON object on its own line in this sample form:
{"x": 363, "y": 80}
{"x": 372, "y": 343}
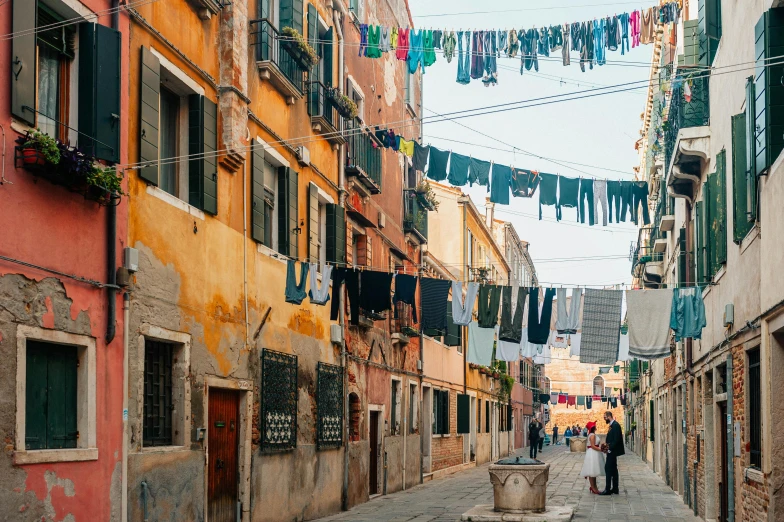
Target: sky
{"x": 599, "y": 131}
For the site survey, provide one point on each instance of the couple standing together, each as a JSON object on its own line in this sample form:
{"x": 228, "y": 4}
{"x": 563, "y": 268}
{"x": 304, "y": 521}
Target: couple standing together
{"x": 595, "y": 464}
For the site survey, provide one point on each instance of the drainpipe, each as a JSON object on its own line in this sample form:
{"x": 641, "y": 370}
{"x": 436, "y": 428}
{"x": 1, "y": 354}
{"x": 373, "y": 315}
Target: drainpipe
{"x": 111, "y": 239}
{"x": 465, "y": 279}
{"x": 245, "y": 168}
{"x": 126, "y": 321}
{"x": 336, "y": 13}
{"x": 421, "y": 387}
{"x": 730, "y": 446}
{"x": 688, "y": 279}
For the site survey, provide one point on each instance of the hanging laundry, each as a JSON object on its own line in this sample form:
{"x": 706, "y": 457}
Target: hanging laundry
{"x": 553, "y": 398}
{"x": 489, "y": 301}
{"x": 507, "y": 351}
{"x": 479, "y": 172}
{"x": 527, "y": 349}
{"x": 623, "y": 348}
{"x": 587, "y": 201}
{"x": 557, "y": 340}
{"x": 688, "y": 313}
{"x": 614, "y": 199}
{"x": 437, "y": 38}
{"x": 480, "y": 344}
{"x": 623, "y": 400}
{"x": 503, "y": 41}
{"x": 640, "y": 197}
{"x": 420, "y": 156}
{"x": 405, "y": 292}
{"x": 543, "y": 43}
{"x": 393, "y": 39}
{"x": 500, "y": 184}
{"x": 544, "y": 398}
{"x": 450, "y": 41}
{"x": 599, "y": 41}
{"x": 429, "y": 52}
{"x": 463, "y": 65}
{"x": 529, "y": 42}
{"x": 434, "y": 296}
{"x": 562, "y": 398}
{"x": 436, "y": 169}
{"x": 600, "y": 198}
{"x": 576, "y": 35}
{"x": 491, "y": 65}
{"x": 647, "y": 27}
{"x": 416, "y": 54}
{"x": 514, "y": 44}
{"x": 373, "y": 41}
{"x": 597, "y": 398}
{"x": 458, "y": 169}
{"x": 556, "y": 37}
{"x": 548, "y": 193}
{"x": 319, "y": 295}
{"x": 462, "y": 310}
{"x": 600, "y": 328}
{"x": 524, "y": 183}
{"x": 613, "y": 33}
{"x": 571, "y": 401}
{"x": 402, "y": 43}
{"x": 587, "y": 45}
{"x": 406, "y": 147}
{"x": 295, "y": 292}
{"x": 477, "y": 55}
{"x": 624, "y": 26}
{"x": 539, "y": 321}
{"x": 648, "y": 313}
{"x": 351, "y": 279}
{"x": 568, "y": 322}
{"x": 375, "y": 291}
{"x": 384, "y": 44}
{"x": 589, "y": 403}
{"x": 512, "y": 322}
{"x": 581, "y": 400}
{"x": 613, "y": 402}
{"x": 574, "y": 344}
{"x": 635, "y": 20}
{"x": 363, "y": 39}
{"x": 568, "y": 192}
{"x": 565, "y": 56}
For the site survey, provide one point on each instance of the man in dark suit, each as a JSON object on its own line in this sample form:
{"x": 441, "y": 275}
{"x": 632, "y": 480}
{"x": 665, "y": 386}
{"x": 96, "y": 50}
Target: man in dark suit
{"x": 614, "y": 449}
{"x": 533, "y": 437}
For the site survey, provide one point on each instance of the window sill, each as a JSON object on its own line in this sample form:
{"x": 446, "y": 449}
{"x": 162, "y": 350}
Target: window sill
{"x": 750, "y": 237}
{"x": 441, "y": 435}
{"x": 755, "y": 475}
{"x": 174, "y": 201}
{"x": 55, "y": 455}
{"x": 164, "y": 449}
{"x": 267, "y": 251}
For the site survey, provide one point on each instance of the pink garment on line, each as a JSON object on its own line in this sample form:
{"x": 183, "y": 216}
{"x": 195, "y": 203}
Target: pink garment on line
{"x": 562, "y": 398}
{"x": 402, "y": 44}
{"x": 572, "y": 401}
{"x": 634, "y": 22}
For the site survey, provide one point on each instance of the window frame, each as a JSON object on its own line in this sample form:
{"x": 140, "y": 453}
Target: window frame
{"x": 413, "y": 409}
{"x": 355, "y": 92}
{"x": 86, "y": 444}
{"x": 395, "y": 409}
{"x": 755, "y": 411}
{"x": 277, "y": 161}
{"x": 163, "y": 401}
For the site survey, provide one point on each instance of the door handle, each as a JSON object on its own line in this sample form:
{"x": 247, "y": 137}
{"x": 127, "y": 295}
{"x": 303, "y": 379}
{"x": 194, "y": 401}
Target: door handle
{"x": 218, "y": 464}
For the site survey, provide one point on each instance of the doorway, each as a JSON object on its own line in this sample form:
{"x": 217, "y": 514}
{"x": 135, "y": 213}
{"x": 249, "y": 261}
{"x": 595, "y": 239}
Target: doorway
{"x": 223, "y": 455}
{"x": 723, "y": 492}
{"x": 375, "y": 451}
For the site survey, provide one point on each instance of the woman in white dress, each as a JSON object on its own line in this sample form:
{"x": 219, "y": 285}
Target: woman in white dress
{"x": 594, "y": 458}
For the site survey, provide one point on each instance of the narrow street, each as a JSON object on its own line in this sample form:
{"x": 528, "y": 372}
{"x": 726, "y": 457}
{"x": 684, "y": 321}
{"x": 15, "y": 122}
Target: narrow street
{"x": 644, "y": 496}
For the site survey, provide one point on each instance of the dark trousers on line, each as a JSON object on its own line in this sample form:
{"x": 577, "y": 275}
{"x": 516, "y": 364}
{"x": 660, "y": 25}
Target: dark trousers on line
{"x": 586, "y": 199}
{"x": 640, "y": 196}
{"x": 626, "y": 198}
{"x": 533, "y": 448}
{"x": 611, "y": 469}
{"x": 614, "y": 199}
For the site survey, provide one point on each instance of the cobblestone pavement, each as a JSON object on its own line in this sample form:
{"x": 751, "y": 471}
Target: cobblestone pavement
{"x": 644, "y": 496}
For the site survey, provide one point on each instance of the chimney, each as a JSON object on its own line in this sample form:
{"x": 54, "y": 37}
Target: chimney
{"x": 489, "y": 213}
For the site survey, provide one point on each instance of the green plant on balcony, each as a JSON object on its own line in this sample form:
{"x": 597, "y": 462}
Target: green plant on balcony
{"x": 107, "y": 179}
{"x": 426, "y": 195}
{"x": 345, "y": 106}
{"x": 299, "y": 48}
{"x": 38, "y": 148}
{"x": 505, "y": 390}
{"x": 415, "y": 221}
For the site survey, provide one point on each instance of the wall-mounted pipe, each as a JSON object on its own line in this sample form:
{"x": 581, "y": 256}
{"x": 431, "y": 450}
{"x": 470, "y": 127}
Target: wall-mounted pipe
{"x": 145, "y": 493}
{"x": 730, "y": 446}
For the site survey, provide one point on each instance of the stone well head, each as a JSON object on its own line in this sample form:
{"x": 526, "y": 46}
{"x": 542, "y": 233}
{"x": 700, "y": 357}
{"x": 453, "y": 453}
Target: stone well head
{"x": 578, "y": 444}
{"x": 519, "y": 485}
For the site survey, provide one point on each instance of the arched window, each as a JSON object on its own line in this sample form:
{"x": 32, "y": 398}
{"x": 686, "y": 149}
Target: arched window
{"x": 355, "y": 414}
{"x": 546, "y": 385}
{"x": 598, "y": 385}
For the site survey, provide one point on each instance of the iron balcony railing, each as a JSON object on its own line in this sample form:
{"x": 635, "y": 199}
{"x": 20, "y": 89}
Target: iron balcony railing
{"x": 320, "y": 105}
{"x": 403, "y": 320}
{"x": 687, "y": 110}
{"x": 364, "y": 156}
{"x": 270, "y": 48}
{"x": 415, "y": 218}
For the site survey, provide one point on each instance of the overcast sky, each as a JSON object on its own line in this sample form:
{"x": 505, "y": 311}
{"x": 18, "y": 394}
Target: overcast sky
{"x": 598, "y": 131}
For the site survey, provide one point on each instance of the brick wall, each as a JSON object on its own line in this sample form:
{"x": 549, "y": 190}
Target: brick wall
{"x": 563, "y": 416}
{"x": 448, "y": 451}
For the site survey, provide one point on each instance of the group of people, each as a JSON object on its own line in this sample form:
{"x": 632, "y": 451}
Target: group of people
{"x": 601, "y": 459}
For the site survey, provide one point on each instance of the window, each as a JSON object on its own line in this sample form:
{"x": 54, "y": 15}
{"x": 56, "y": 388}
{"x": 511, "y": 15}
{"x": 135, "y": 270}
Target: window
{"x": 362, "y": 248}
{"x": 278, "y": 414}
{"x": 710, "y": 29}
{"x": 321, "y": 209}
{"x": 55, "y": 397}
{"x": 598, "y": 385}
{"x": 768, "y": 140}
{"x": 463, "y": 413}
{"x": 521, "y": 375}
{"x": 50, "y": 92}
{"x": 355, "y": 93}
{"x": 412, "y": 408}
{"x": 479, "y": 415}
{"x": 157, "y": 424}
{"x": 755, "y": 408}
{"x": 711, "y": 217}
{"x": 178, "y": 120}
{"x": 651, "y": 421}
{"x": 355, "y": 6}
{"x": 394, "y": 412}
{"x": 355, "y": 416}
{"x": 441, "y": 412}
{"x": 487, "y": 416}
{"x": 330, "y": 406}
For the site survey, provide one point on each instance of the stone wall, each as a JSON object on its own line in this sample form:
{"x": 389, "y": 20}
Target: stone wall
{"x": 562, "y": 416}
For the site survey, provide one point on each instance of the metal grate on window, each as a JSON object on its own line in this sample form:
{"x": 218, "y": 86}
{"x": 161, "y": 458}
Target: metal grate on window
{"x": 755, "y": 408}
{"x": 157, "y": 428}
{"x": 330, "y": 406}
{"x": 278, "y": 401}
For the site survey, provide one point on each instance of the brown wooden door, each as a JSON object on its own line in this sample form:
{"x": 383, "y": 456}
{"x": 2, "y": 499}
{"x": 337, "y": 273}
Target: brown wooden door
{"x": 374, "y": 452}
{"x": 222, "y": 448}
{"x": 723, "y": 496}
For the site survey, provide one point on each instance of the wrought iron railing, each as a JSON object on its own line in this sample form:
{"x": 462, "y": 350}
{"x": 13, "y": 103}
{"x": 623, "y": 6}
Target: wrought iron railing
{"x": 403, "y": 321}
{"x": 415, "y": 218}
{"x": 320, "y": 105}
{"x": 687, "y": 110}
{"x": 364, "y": 156}
{"x": 278, "y": 399}
{"x": 270, "y": 48}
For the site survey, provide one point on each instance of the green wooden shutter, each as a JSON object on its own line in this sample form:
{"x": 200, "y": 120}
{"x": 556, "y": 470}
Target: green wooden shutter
{"x": 257, "y": 193}
{"x": 288, "y": 226}
{"x": 682, "y": 257}
{"x": 691, "y": 42}
{"x": 720, "y": 219}
{"x": 740, "y": 212}
{"x": 36, "y": 388}
{"x": 709, "y": 21}
{"x": 202, "y": 145}
{"x": 751, "y": 151}
{"x": 699, "y": 240}
{"x": 291, "y": 14}
{"x": 436, "y": 408}
{"x": 264, "y": 9}
{"x": 61, "y": 398}
{"x": 313, "y": 223}
{"x": 453, "y": 335}
{"x": 23, "y": 60}
{"x": 336, "y": 234}
{"x": 313, "y": 26}
{"x": 149, "y": 114}
{"x": 99, "y": 91}
{"x": 769, "y": 103}
{"x": 326, "y": 63}
{"x": 713, "y": 20}
{"x": 445, "y": 411}
{"x": 463, "y": 413}
{"x": 651, "y": 421}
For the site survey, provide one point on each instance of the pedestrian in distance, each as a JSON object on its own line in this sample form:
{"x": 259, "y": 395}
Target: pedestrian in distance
{"x": 533, "y": 438}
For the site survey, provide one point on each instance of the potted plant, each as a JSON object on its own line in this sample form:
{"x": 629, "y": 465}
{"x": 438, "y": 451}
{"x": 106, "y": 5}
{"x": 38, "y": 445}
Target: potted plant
{"x": 104, "y": 184}
{"x": 39, "y": 149}
{"x": 426, "y": 196}
{"x": 343, "y": 104}
{"x": 299, "y": 48}
{"x": 496, "y": 375}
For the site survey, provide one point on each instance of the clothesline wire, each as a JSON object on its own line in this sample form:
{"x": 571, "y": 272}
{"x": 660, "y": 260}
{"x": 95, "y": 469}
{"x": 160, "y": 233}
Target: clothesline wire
{"x": 610, "y": 229}
{"x": 527, "y": 9}
{"x": 418, "y": 121}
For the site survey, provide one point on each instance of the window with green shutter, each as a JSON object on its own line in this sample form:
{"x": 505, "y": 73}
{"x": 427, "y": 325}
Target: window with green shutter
{"x": 719, "y": 217}
{"x": 149, "y": 113}
{"x": 751, "y": 150}
{"x": 769, "y": 101}
{"x": 709, "y": 17}
{"x": 50, "y": 396}
{"x": 314, "y": 224}
{"x": 743, "y": 214}
{"x": 699, "y": 240}
{"x": 257, "y": 194}
{"x": 463, "y": 413}
{"x": 202, "y": 147}
{"x": 288, "y": 199}
{"x": 440, "y": 412}
{"x": 336, "y": 234}
{"x": 682, "y": 258}
{"x": 651, "y": 421}
{"x": 291, "y": 14}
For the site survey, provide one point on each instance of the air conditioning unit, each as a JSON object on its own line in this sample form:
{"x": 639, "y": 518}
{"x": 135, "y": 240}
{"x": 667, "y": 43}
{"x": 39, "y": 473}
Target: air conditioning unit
{"x": 382, "y": 220}
{"x": 303, "y": 155}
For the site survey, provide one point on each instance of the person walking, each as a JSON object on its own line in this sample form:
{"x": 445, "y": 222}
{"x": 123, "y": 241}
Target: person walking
{"x": 542, "y": 436}
{"x": 614, "y": 449}
{"x": 568, "y": 435}
{"x": 593, "y": 465}
{"x": 533, "y": 438}
{"x": 555, "y": 435}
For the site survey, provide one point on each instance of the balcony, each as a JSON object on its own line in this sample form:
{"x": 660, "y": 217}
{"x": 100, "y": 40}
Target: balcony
{"x": 687, "y": 135}
{"x": 324, "y": 118}
{"x": 276, "y": 63}
{"x": 363, "y": 160}
{"x": 403, "y": 326}
{"x": 415, "y": 220}
{"x": 647, "y": 265}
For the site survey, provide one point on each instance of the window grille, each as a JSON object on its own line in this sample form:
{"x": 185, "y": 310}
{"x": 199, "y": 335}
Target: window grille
{"x": 278, "y": 401}
{"x": 330, "y": 406}
{"x": 157, "y": 429}
{"x": 755, "y": 408}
